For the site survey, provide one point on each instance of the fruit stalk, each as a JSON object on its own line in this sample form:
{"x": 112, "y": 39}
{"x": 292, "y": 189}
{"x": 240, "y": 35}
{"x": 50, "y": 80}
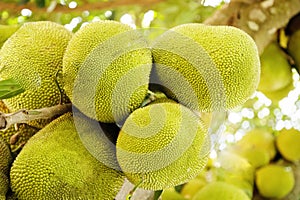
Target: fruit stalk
{"x": 25, "y": 116}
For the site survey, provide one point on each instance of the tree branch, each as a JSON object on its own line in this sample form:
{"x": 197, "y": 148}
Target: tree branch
{"x": 260, "y": 19}
{"x": 16, "y": 8}
{"x": 25, "y": 116}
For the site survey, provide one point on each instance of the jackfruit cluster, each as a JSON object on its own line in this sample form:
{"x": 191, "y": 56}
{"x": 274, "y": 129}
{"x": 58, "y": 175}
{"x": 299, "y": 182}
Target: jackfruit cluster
{"x": 262, "y": 165}
{"x": 105, "y": 69}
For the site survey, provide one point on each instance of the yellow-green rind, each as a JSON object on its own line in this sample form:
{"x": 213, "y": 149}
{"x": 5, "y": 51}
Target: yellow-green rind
{"x": 171, "y": 194}
{"x": 276, "y": 72}
{"x": 6, "y": 157}
{"x": 5, "y": 162}
{"x": 257, "y": 146}
{"x": 16, "y": 136}
{"x": 6, "y": 31}
{"x": 55, "y": 165}
{"x": 235, "y": 170}
{"x": 32, "y": 56}
{"x": 288, "y": 144}
{"x": 220, "y": 191}
{"x": 4, "y": 186}
{"x": 162, "y": 145}
{"x": 113, "y": 85}
{"x": 274, "y": 181}
{"x": 220, "y": 71}
{"x": 278, "y": 95}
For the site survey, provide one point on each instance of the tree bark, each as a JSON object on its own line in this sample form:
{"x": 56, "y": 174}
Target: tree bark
{"x": 260, "y": 19}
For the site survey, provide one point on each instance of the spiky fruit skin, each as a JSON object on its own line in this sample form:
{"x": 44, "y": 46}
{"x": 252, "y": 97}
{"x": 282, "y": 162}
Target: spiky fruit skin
{"x": 207, "y": 68}
{"x": 22, "y": 132}
{"x": 5, "y": 162}
{"x": 54, "y": 164}
{"x": 32, "y": 56}
{"x": 274, "y": 181}
{"x": 220, "y": 191}
{"x": 162, "y": 145}
{"x": 288, "y": 144}
{"x": 113, "y": 84}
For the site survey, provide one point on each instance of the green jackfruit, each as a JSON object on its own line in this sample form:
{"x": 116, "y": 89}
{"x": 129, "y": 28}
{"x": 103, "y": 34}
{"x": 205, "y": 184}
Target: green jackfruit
{"x": 220, "y": 191}
{"x": 207, "y": 68}
{"x": 162, "y": 145}
{"x": 109, "y": 64}
{"x": 274, "y": 181}
{"x": 235, "y": 170}
{"x": 171, "y": 194}
{"x": 5, "y": 161}
{"x": 192, "y": 187}
{"x": 288, "y": 144}
{"x": 6, "y": 31}
{"x": 16, "y": 136}
{"x": 4, "y": 186}
{"x": 32, "y": 56}
{"x": 276, "y": 72}
{"x": 257, "y": 146}
{"x": 54, "y": 164}
{"x": 278, "y": 95}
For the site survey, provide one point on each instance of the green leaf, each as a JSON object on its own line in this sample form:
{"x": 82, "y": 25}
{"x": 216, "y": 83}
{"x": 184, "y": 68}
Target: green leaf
{"x": 157, "y": 194}
{"x": 40, "y": 3}
{"x": 9, "y": 88}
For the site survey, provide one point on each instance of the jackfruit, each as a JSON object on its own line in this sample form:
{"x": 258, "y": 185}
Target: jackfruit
{"x": 278, "y": 95}
{"x": 6, "y": 31}
{"x": 32, "y": 56}
{"x": 54, "y": 164}
{"x": 293, "y": 48}
{"x": 162, "y": 145}
{"x": 4, "y": 186}
{"x": 109, "y": 64}
{"x": 220, "y": 191}
{"x": 276, "y": 72}
{"x": 5, "y": 162}
{"x": 192, "y": 187}
{"x": 288, "y": 144}
{"x": 171, "y": 194}
{"x": 235, "y": 170}
{"x": 274, "y": 181}
{"x": 207, "y": 68}
{"x": 257, "y": 146}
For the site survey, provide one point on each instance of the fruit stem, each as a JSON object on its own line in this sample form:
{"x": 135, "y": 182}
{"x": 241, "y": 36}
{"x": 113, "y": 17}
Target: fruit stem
{"x": 25, "y": 116}
{"x": 152, "y": 96}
